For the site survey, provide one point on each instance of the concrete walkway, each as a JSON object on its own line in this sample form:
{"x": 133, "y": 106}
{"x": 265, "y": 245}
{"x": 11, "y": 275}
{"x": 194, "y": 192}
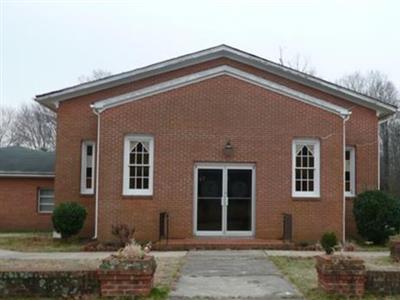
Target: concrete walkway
{"x": 6, "y": 254}
{"x": 231, "y": 275}
{"x": 360, "y": 254}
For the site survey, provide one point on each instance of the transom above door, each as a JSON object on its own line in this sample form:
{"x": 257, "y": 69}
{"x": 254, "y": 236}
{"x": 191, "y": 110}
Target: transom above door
{"x": 224, "y": 200}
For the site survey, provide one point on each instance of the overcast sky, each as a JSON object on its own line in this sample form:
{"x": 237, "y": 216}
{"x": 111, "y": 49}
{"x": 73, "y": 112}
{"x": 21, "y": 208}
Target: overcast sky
{"x": 47, "y": 45}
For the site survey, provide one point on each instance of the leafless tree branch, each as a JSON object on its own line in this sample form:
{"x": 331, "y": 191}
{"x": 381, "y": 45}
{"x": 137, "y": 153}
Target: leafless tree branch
{"x": 298, "y": 62}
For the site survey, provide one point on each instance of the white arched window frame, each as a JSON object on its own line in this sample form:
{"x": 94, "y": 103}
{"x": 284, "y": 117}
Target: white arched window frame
{"x": 306, "y": 168}
{"x": 138, "y": 165}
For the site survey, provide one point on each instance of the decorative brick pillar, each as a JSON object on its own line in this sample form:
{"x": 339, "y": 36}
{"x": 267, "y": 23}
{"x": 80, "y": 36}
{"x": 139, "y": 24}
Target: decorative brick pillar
{"x": 394, "y": 246}
{"x": 123, "y": 277}
{"x": 343, "y": 275}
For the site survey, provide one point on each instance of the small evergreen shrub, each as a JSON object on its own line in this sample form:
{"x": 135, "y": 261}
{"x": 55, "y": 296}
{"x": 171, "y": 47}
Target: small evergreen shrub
{"x": 328, "y": 242}
{"x": 68, "y": 218}
{"x": 377, "y": 216}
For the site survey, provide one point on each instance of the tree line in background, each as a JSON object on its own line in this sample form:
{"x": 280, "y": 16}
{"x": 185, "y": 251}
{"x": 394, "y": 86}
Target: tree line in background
{"x": 34, "y": 126}
{"x": 31, "y": 125}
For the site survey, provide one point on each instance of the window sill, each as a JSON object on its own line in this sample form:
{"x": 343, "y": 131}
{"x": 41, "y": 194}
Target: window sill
{"x": 306, "y": 198}
{"x": 86, "y": 195}
{"x": 140, "y": 197}
{"x": 44, "y": 213}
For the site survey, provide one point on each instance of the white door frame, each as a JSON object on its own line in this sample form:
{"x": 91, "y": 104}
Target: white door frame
{"x": 224, "y": 167}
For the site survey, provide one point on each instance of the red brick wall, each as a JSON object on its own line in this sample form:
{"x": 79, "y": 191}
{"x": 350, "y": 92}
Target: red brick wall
{"x": 192, "y": 124}
{"x": 75, "y": 123}
{"x": 19, "y": 204}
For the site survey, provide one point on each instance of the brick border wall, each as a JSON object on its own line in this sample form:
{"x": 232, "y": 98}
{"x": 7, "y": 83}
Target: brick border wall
{"x": 48, "y": 283}
{"x": 347, "y": 276}
{"x": 342, "y": 275}
{"x": 385, "y": 282}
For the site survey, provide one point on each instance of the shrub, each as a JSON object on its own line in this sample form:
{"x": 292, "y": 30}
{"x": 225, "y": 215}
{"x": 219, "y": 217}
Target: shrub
{"x": 68, "y": 218}
{"x": 123, "y": 232}
{"x": 328, "y": 242}
{"x": 377, "y": 216}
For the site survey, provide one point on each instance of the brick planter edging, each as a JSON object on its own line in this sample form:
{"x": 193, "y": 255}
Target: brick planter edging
{"x": 340, "y": 274}
{"x": 394, "y": 246}
{"x": 384, "y": 282}
{"x": 121, "y": 277}
{"x": 48, "y": 283}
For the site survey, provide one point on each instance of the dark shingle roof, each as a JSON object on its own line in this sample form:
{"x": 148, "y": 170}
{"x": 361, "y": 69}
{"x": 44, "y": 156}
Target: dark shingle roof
{"x": 20, "y": 161}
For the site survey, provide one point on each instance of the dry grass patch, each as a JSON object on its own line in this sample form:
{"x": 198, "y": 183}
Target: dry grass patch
{"x": 38, "y": 242}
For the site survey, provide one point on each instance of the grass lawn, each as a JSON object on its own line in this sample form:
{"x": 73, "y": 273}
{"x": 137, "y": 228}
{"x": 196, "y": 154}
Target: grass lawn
{"x": 38, "y": 242}
{"x": 362, "y": 246}
{"x": 301, "y": 272}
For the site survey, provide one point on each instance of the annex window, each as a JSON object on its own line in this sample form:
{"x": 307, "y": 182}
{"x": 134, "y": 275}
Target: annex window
{"x": 87, "y": 167}
{"x": 306, "y": 168}
{"x": 138, "y": 165}
{"x": 45, "y": 200}
{"x": 350, "y": 182}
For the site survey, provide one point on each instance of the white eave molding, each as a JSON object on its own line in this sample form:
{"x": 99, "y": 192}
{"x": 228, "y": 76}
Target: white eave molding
{"x": 214, "y": 72}
{"x": 27, "y": 174}
{"x": 221, "y": 51}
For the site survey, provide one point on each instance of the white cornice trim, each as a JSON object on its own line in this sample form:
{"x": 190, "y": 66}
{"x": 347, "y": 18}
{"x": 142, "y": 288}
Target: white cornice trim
{"x": 214, "y": 72}
{"x": 27, "y": 174}
{"x": 50, "y": 99}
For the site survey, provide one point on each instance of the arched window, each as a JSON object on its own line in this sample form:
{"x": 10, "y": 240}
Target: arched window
{"x": 138, "y": 165}
{"x": 305, "y": 168}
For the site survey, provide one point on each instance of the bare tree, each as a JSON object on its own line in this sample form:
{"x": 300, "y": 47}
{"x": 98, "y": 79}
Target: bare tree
{"x": 298, "y": 62}
{"x": 95, "y": 75}
{"x": 393, "y": 177}
{"x": 376, "y": 84}
{"x": 372, "y": 83}
{"x": 6, "y": 123}
{"x": 34, "y": 127}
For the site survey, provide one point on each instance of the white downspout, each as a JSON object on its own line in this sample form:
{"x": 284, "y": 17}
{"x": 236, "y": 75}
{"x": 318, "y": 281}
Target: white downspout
{"x": 96, "y": 211}
{"x": 345, "y": 119}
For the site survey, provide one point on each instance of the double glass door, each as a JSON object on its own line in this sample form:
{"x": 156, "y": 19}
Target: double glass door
{"x": 224, "y": 200}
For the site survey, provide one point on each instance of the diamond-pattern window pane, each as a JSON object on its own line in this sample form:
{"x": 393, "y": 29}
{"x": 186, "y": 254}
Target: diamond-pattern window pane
{"x": 139, "y": 165}
{"x": 304, "y": 169}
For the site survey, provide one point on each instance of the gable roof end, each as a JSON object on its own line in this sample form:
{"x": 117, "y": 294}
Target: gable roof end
{"x": 52, "y": 99}
{"x": 214, "y": 72}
